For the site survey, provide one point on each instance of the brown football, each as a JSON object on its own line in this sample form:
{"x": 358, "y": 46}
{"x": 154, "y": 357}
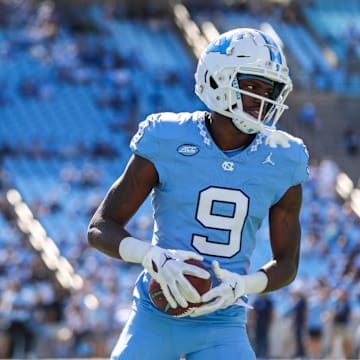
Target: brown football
{"x": 158, "y": 299}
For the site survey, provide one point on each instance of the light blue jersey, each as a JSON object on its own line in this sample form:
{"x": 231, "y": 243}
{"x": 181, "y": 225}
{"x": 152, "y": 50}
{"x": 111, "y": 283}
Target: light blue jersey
{"x": 209, "y": 201}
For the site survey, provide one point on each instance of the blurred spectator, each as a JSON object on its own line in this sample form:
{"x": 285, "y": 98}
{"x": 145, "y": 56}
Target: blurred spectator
{"x": 32, "y": 87}
{"x": 316, "y": 321}
{"x": 351, "y": 141}
{"x": 263, "y": 317}
{"x": 47, "y": 205}
{"x": 6, "y": 149}
{"x": 298, "y": 312}
{"x": 327, "y": 175}
{"x": 70, "y": 175}
{"x": 90, "y": 175}
{"x": 77, "y": 75}
{"x": 18, "y": 301}
{"x": 29, "y": 87}
{"x": 308, "y": 116}
{"x": 103, "y": 149}
{"x": 352, "y": 37}
{"x": 341, "y": 340}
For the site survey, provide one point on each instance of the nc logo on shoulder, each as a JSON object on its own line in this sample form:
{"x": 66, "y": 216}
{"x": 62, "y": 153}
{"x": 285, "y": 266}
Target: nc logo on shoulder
{"x": 188, "y": 149}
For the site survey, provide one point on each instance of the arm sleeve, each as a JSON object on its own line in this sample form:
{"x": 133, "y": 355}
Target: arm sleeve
{"x": 144, "y": 143}
{"x": 301, "y": 173}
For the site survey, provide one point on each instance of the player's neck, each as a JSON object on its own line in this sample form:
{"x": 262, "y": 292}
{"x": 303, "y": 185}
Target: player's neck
{"x": 225, "y": 134}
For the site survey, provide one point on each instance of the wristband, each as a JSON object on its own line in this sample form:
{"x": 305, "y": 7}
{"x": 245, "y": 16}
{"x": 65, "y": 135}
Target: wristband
{"x": 133, "y": 250}
{"x": 255, "y": 283}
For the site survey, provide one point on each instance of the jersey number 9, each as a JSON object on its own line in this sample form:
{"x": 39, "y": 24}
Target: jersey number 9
{"x": 224, "y": 210}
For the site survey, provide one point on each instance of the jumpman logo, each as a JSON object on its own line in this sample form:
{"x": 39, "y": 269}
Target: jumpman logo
{"x": 233, "y": 288}
{"x": 268, "y": 160}
{"x": 167, "y": 258}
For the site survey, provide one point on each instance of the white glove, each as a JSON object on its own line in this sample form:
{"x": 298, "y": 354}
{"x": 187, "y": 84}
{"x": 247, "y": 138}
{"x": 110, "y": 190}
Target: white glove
{"x": 167, "y": 267}
{"x": 232, "y": 286}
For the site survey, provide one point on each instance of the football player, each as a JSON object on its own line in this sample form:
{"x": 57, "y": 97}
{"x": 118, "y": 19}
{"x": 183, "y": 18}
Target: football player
{"x": 214, "y": 176}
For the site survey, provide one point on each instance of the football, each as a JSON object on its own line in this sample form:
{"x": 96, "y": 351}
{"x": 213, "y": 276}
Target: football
{"x": 158, "y": 299}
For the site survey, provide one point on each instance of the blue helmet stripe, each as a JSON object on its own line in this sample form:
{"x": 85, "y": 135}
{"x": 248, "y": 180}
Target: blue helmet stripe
{"x": 275, "y": 53}
{"x": 222, "y": 44}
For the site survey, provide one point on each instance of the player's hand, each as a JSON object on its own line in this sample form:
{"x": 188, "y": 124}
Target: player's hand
{"x": 227, "y": 293}
{"x": 168, "y": 268}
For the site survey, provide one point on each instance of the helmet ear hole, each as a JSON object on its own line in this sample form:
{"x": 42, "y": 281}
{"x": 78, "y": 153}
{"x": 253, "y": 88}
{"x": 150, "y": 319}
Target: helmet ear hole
{"x": 213, "y": 83}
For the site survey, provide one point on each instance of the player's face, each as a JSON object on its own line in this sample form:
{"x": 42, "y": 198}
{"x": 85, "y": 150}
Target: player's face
{"x": 251, "y": 105}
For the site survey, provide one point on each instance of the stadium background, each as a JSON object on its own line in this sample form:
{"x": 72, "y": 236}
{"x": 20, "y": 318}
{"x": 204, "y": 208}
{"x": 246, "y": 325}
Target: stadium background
{"x": 76, "y": 77}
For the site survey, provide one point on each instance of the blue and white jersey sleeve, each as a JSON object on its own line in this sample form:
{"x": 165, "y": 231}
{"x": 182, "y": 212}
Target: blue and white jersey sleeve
{"x": 144, "y": 143}
{"x": 157, "y": 136}
{"x": 301, "y": 173}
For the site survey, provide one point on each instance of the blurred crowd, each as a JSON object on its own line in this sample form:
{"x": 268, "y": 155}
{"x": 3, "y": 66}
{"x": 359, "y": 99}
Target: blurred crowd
{"x": 318, "y": 316}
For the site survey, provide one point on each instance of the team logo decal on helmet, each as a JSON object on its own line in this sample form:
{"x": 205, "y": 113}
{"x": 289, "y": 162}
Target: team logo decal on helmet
{"x": 231, "y": 57}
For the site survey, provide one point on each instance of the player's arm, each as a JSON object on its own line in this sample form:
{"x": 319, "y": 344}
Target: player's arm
{"x": 285, "y": 234}
{"x": 280, "y": 271}
{"x": 128, "y": 192}
{"x": 107, "y": 233}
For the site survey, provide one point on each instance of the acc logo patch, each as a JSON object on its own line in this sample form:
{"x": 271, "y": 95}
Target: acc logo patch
{"x": 188, "y": 149}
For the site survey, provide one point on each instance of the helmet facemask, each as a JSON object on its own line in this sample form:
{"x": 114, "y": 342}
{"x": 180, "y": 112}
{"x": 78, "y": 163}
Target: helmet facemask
{"x": 270, "y": 108}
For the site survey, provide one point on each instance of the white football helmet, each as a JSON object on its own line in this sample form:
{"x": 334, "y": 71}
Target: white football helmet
{"x": 243, "y": 52}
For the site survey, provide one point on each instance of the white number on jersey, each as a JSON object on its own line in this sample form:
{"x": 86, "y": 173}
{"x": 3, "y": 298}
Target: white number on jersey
{"x": 231, "y": 223}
